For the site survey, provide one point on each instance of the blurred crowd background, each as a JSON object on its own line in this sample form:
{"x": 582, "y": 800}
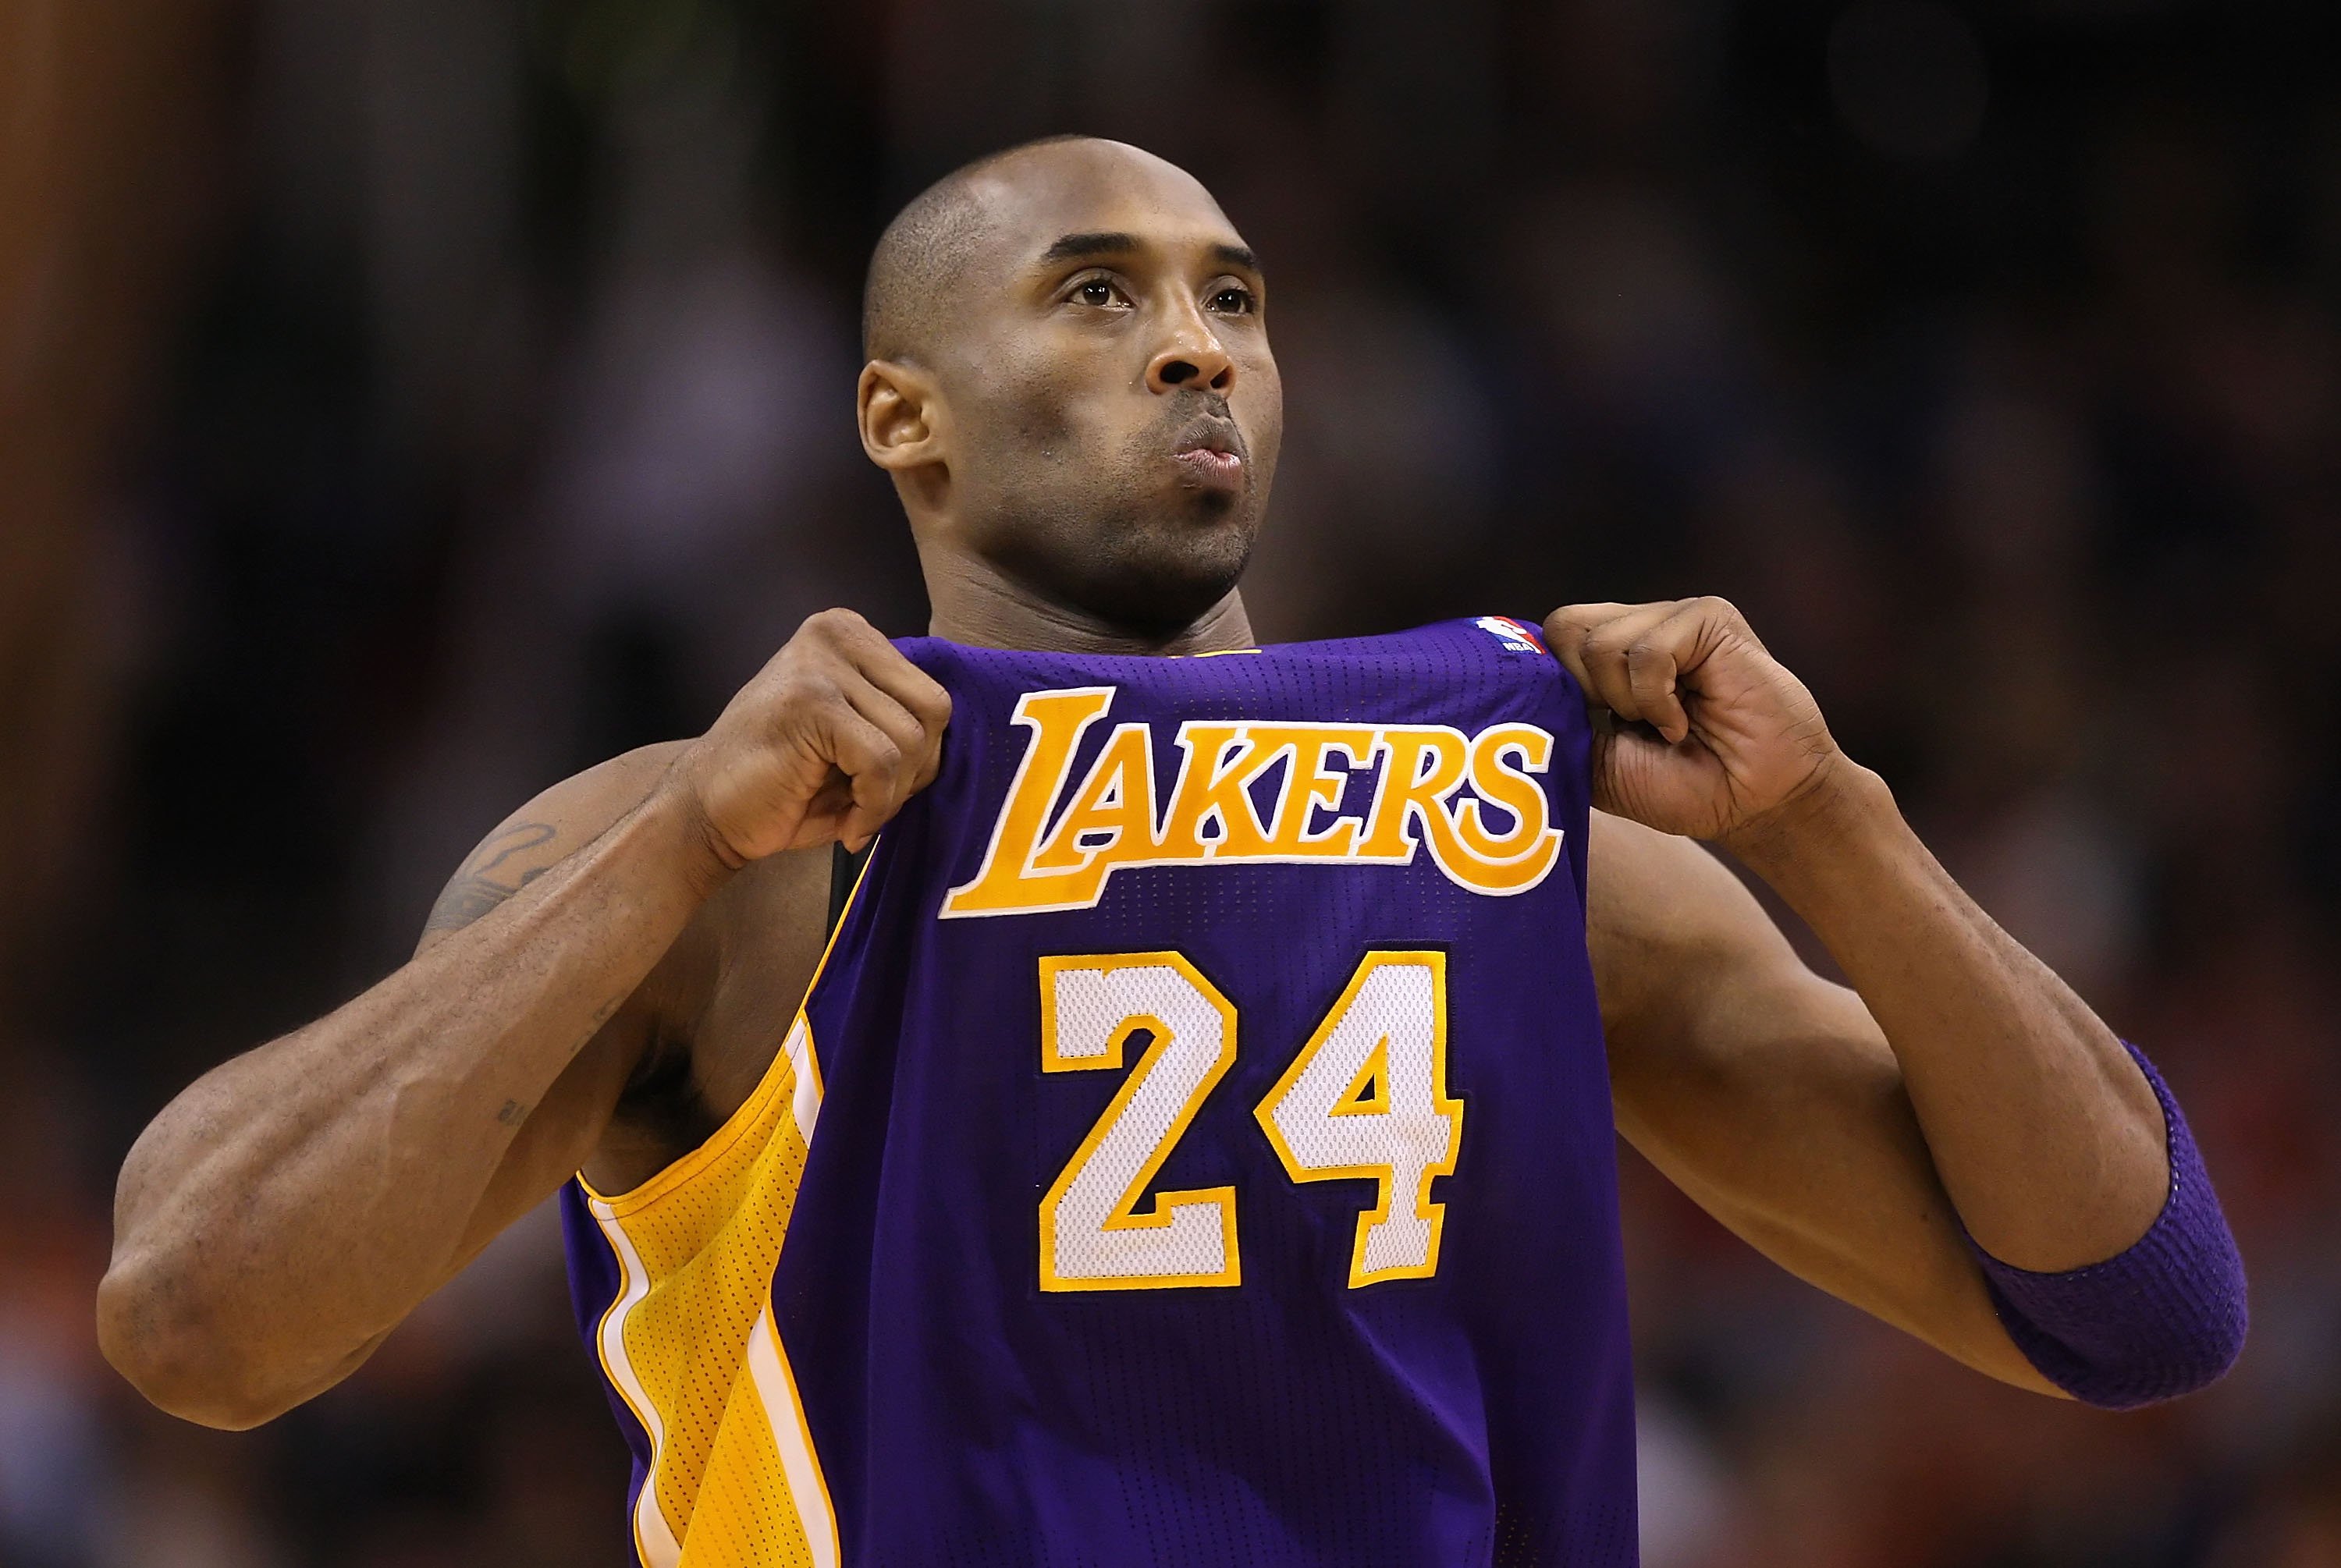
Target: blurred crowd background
{"x": 404, "y": 403}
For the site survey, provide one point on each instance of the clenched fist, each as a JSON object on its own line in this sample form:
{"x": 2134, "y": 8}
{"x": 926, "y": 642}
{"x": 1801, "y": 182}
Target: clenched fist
{"x": 1716, "y": 734}
{"x": 826, "y": 744}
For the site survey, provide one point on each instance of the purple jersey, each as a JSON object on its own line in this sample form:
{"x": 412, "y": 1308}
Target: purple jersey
{"x": 1215, "y": 1162}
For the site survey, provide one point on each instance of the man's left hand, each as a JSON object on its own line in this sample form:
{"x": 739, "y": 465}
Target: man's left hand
{"x": 1715, "y": 736}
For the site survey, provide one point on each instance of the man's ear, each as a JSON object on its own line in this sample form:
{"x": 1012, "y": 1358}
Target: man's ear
{"x": 900, "y": 413}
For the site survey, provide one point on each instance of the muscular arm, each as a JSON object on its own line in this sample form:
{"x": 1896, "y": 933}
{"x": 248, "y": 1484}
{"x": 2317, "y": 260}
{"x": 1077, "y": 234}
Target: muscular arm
{"x": 1852, "y": 1132}
{"x": 1771, "y": 1097}
{"x": 286, "y": 1211}
{"x": 279, "y": 1218}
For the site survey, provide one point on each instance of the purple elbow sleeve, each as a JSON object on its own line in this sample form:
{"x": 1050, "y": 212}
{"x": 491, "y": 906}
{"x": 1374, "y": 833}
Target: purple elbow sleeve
{"x": 2162, "y": 1319}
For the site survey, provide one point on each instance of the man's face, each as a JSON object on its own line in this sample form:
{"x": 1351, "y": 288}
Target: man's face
{"x": 1113, "y": 407}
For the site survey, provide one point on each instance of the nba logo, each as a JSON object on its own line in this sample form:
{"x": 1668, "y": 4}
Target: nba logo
{"x": 1512, "y": 633}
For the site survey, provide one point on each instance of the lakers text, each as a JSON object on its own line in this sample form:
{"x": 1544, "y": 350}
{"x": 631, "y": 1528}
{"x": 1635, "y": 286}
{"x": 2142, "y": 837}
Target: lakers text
{"x": 1223, "y": 809}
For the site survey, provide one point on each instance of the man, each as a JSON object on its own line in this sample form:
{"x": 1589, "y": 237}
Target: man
{"x": 1069, "y": 381}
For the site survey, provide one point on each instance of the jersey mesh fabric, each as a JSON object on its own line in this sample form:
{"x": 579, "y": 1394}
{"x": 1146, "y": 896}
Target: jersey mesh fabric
{"x": 705, "y": 1234}
{"x": 1387, "y": 1029}
{"x": 1191, "y": 1037}
{"x": 966, "y": 1410}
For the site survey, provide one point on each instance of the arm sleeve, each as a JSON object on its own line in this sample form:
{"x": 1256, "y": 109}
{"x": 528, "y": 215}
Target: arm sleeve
{"x": 2164, "y": 1318}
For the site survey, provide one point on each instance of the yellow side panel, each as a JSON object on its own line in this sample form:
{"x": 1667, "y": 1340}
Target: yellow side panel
{"x": 745, "y": 1517}
{"x": 709, "y": 1241}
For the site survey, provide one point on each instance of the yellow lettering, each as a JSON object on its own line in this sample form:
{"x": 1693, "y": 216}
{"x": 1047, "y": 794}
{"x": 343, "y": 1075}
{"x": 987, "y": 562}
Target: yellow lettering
{"x": 1221, "y": 760}
{"x": 1057, "y": 720}
{"x": 1116, "y": 799}
{"x": 1109, "y": 821}
{"x": 1423, "y": 766}
{"x": 1522, "y": 857}
{"x": 1310, "y": 783}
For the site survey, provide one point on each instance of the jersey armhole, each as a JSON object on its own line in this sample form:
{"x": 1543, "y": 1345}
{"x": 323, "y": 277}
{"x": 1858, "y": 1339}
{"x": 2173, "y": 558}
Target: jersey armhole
{"x": 847, "y": 872}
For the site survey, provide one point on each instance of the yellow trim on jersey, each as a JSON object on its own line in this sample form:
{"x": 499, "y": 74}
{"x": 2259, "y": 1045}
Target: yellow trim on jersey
{"x": 776, "y": 1382}
{"x": 1368, "y": 1093}
{"x": 654, "y": 1540}
{"x": 720, "y": 1140}
{"x": 691, "y": 1344}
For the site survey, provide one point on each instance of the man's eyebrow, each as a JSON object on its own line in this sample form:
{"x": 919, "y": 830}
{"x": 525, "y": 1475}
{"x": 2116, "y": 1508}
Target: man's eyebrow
{"x": 1114, "y": 242}
{"x": 1077, "y": 247}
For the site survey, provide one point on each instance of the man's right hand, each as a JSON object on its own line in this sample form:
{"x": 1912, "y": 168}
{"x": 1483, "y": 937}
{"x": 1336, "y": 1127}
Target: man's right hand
{"x": 826, "y": 743}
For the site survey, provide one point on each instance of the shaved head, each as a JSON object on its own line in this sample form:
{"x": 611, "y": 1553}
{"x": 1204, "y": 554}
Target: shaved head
{"x": 923, "y": 255}
{"x": 1069, "y": 376}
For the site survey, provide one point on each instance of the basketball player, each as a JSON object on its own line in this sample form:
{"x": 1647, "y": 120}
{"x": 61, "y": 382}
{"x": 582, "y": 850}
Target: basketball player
{"x": 1215, "y": 1110}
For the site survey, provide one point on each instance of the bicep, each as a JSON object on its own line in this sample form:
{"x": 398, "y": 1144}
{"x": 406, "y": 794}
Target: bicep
{"x": 1770, "y": 1096}
{"x": 553, "y": 1138}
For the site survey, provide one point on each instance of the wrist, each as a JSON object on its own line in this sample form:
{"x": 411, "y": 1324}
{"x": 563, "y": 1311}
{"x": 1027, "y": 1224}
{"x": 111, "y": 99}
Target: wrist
{"x": 705, "y": 859}
{"x": 1844, "y": 808}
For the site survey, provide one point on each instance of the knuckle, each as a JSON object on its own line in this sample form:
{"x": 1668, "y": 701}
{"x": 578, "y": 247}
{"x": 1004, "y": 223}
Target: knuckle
{"x": 806, "y": 689}
{"x": 831, "y": 623}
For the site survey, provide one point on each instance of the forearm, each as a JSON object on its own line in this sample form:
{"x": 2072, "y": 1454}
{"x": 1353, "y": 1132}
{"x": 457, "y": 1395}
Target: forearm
{"x": 2045, "y": 1134}
{"x": 297, "y": 1202}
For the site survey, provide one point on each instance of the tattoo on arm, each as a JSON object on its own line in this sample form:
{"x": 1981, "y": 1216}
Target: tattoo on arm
{"x": 477, "y": 888}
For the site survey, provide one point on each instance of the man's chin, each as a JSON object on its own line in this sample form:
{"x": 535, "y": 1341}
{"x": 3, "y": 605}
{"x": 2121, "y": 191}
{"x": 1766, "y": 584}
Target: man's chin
{"x": 1150, "y": 571}
{"x": 1162, "y": 594}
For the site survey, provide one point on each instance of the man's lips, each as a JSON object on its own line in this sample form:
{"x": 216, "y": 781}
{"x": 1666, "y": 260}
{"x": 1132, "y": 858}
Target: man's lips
{"x": 1217, "y": 469}
{"x": 1212, "y": 460}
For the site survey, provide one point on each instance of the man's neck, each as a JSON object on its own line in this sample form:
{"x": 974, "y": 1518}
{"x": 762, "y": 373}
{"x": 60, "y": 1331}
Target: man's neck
{"x": 976, "y": 604}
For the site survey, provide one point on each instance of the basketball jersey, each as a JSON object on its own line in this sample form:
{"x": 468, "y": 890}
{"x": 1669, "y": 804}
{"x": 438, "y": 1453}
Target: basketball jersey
{"x": 1195, "y": 1148}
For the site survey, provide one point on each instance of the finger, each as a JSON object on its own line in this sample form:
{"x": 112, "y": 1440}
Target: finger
{"x": 827, "y": 809}
{"x": 920, "y": 693}
{"x": 868, "y": 757}
{"x": 1653, "y": 669}
{"x": 1689, "y": 638}
{"x": 1566, "y": 629}
{"x": 1605, "y": 654}
{"x": 873, "y": 657}
{"x": 1720, "y": 618}
{"x": 863, "y": 650}
{"x": 906, "y": 689}
{"x": 902, "y": 727}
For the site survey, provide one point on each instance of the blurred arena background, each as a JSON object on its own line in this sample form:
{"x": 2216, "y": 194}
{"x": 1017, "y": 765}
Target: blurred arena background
{"x": 403, "y": 402}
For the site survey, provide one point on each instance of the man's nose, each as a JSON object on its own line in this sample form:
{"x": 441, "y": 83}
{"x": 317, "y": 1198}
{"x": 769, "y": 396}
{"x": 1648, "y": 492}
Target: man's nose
{"x": 1191, "y": 356}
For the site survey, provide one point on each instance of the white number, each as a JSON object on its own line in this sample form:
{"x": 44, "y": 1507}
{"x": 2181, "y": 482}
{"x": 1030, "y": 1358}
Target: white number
{"x": 1364, "y": 1098}
{"x": 1367, "y": 1097}
{"x": 1092, "y": 1235}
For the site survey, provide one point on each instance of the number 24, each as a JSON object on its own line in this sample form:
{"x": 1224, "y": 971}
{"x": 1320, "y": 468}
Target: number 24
{"x": 1366, "y": 1097}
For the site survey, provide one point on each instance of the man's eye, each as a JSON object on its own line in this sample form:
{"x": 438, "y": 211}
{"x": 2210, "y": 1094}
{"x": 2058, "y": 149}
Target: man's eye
{"x": 1233, "y": 301}
{"x": 1096, "y": 291}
